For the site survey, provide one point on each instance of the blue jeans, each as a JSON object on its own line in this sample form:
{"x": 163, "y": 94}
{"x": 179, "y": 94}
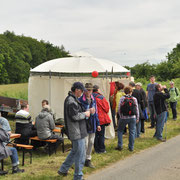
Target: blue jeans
{"x": 99, "y": 145}
{"x": 138, "y": 129}
{"x": 173, "y": 107}
{"x": 77, "y": 156}
{"x": 152, "y": 113}
{"x": 14, "y": 156}
{"x": 160, "y": 124}
{"x": 132, "y": 129}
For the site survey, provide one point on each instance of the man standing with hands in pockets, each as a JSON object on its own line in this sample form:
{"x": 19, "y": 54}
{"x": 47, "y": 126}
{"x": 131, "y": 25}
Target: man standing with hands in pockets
{"x": 74, "y": 117}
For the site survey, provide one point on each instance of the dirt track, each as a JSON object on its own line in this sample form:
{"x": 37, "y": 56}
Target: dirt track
{"x": 161, "y": 162}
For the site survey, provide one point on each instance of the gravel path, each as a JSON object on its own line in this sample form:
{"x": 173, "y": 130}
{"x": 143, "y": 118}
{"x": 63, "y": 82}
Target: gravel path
{"x": 161, "y": 162}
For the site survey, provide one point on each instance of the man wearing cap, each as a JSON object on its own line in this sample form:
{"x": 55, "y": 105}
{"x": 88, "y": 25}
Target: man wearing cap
{"x": 89, "y": 103}
{"x": 174, "y": 95}
{"x": 74, "y": 117}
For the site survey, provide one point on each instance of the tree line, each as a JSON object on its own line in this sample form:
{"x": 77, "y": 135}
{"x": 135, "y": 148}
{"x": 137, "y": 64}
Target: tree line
{"x": 18, "y": 54}
{"x": 165, "y": 70}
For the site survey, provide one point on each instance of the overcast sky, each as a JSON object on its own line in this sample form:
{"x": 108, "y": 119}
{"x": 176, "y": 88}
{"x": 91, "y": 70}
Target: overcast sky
{"x": 124, "y": 31}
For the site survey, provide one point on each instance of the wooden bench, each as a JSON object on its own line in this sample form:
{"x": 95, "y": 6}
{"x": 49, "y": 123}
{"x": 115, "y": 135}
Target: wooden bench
{"x": 25, "y": 148}
{"x": 49, "y": 142}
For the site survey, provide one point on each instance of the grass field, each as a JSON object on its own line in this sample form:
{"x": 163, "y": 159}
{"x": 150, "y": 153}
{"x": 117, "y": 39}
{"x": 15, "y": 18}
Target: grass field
{"x": 19, "y": 91}
{"x": 45, "y": 167}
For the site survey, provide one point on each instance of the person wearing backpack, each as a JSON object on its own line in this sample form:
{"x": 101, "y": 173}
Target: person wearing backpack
{"x": 174, "y": 95}
{"x": 129, "y": 114}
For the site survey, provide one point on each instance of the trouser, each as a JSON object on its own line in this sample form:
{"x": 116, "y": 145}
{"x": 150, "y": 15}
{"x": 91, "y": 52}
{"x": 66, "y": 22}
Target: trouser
{"x": 138, "y": 129}
{"x": 160, "y": 124}
{"x": 99, "y": 145}
{"x": 173, "y": 108}
{"x": 14, "y": 156}
{"x": 77, "y": 156}
{"x": 152, "y": 113}
{"x": 132, "y": 129}
{"x": 142, "y": 125}
{"x": 89, "y": 144}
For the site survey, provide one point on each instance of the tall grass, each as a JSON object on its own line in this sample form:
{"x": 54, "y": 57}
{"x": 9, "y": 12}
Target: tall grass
{"x": 19, "y": 91}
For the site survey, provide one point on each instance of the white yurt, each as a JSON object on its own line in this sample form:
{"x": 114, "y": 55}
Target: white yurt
{"x": 53, "y": 79}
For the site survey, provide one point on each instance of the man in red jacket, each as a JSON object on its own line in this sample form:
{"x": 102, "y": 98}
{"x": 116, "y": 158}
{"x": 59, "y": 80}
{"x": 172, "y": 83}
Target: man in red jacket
{"x": 102, "y": 109}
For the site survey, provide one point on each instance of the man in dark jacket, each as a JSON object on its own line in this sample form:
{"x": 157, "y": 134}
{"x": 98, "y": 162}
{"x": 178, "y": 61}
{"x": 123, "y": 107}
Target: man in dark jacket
{"x": 136, "y": 93}
{"x": 24, "y": 125}
{"x": 74, "y": 117}
{"x": 160, "y": 109}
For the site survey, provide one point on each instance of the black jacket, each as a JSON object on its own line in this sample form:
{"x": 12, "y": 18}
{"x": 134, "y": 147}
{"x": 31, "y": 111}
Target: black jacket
{"x": 159, "y": 101}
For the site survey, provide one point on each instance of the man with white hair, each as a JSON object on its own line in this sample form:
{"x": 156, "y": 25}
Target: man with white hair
{"x": 143, "y": 104}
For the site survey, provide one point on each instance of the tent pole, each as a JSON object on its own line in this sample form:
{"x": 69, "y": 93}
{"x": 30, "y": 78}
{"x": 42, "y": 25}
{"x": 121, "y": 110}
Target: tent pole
{"x": 111, "y": 73}
{"x": 50, "y": 88}
{"x": 106, "y": 74}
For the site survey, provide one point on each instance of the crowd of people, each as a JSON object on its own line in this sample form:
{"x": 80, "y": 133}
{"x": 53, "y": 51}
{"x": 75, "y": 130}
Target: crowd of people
{"x": 86, "y": 114}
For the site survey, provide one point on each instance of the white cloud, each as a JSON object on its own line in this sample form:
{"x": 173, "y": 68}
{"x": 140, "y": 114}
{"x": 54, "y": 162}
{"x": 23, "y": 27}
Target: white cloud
{"x": 128, "y": 32}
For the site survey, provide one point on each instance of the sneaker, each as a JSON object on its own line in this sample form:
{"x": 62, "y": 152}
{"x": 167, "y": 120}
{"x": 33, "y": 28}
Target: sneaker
{"x": 151, "y": 127}
{"x": 17, "y": 170}
{"x": 62, "y": 173}
{"x": 101, "y": 152}
{"x": 3, "y": 172}
{"x": 174, "y": 119}
{"x": 89, "y": 164}
{"x": 119, "y": 148}
{"x": 131, "y": 150}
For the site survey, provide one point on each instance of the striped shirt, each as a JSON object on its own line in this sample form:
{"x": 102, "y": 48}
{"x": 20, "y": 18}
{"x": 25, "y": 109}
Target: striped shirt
{"x": 23, "y": 117}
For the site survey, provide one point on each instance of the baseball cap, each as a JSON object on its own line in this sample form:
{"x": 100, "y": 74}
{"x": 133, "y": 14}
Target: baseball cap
{"x": 78, "y": 85}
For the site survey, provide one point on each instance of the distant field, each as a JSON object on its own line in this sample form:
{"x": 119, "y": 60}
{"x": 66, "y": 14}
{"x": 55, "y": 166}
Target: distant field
{"x": 19, "y": 91}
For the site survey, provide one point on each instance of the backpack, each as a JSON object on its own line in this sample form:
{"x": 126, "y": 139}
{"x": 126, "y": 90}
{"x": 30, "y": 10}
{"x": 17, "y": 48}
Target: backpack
{"x": 128, "y": 106}
{"x": 175, "y": 91}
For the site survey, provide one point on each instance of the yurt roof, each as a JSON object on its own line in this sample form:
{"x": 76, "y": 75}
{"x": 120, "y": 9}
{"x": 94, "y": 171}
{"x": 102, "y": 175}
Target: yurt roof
{"x": 79, "y": 64}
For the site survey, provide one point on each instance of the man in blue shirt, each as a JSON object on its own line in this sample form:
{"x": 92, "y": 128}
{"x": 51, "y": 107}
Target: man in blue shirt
{"x": 150, "y": 93}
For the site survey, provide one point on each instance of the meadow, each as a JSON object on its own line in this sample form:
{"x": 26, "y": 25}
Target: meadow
{"x": 44, "y": 167}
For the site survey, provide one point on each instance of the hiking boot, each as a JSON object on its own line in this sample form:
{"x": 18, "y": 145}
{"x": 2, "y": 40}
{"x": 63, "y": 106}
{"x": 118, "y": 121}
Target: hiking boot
{"x": 62, "y": 173}
{"x": 17, "y": 170}
{"x": 3, "y": 172}
{"x": 119, "y": 148}
{"x": 162, "y": 140}
{"x": 151, "y": 127}
{"x": 89, "y": 164}
{"x": 131, "y": 150}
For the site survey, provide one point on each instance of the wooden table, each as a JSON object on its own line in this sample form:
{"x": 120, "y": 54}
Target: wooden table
{"x": 13, "y": 136}
{"x": 57, "y": 130}
{"x": 60, "y": 126}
